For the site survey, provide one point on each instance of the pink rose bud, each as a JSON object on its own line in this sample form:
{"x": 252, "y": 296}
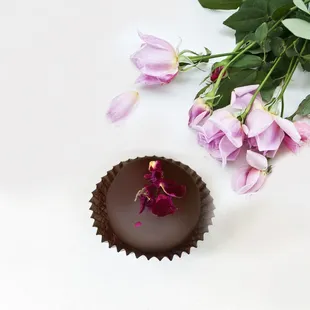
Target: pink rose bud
{"x": 157, "y": 61}
{"x": 199, "y": 112}
{"x": 122, "y": 105}
{"x": 249, "y": 179}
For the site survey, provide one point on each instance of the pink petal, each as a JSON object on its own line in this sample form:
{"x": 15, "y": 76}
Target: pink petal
{"x": 241, "y": 96}
{"x": 256, "y": 160}
{"x": 304, "y": 130}
{"x": 259, "y": 183}
{"x": 138, "y": 224}
{"x": 198, "y": 112}
{"x": 156, "y": 42}
{"x": 270, "y": 139}
{"x": 257, "y": 121}
{"x": 226, "y": 149}
{"x": 291, "y": 145}
{"x": 239, "y": 180}
{"x": 251, "y": 180}
{"x": 155, "y": 62}
{"x": 163, "y": 206}
{"x": 234, "y": 155}
{"x": 289, "y": 128}
{"x": 122, "y": 105}
{"x": 155, "y": 165}
{"x": 270, "y": 154}
{"x": 210, "y": 131}
{"x": 242, "y": 102}
{"x": 152, "y": 80}
{"x": 230, "y": 126}
{"x": 172, "y": 189}
{"x": 243, "y": 90}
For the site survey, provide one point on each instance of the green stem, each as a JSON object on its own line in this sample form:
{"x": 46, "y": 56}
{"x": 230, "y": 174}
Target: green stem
{"x": 287, "y": 80}
{"x": 245, "y": 113}
{"x": 292, "y": 116}
{"x": 295, "y": 62}
{"x": 223, "y": 71}
{"x": 205, "y": 58}
{"x": 282, "y": 106}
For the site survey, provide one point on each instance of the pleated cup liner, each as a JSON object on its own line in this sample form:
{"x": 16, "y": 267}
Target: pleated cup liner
{"x": 101, "y": 219}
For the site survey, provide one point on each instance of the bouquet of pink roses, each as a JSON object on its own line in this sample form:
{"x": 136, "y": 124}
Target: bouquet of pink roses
{"x": 241, "y": 103}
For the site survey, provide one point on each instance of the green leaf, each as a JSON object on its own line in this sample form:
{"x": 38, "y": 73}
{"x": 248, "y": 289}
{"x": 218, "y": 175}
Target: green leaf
{"x": 247, "y": 62}
{"x": 240, "y": 36}
{"x": 267, "y": 93}
{"x": 277, "y": 32}
{"x": 301, "y": 5}
{"x": 208, "y": 52}
{"x": 221, "y": 4}
{"x": 261, "y": 32}
{"x": 256, "y": 4}
{"x": 277, "y": 46}
{"x": 302, "y": 15}
{"x": 247, "y": 19}
{"x": 281, "y": 70}
{"x": 236, "y": 79}
{"x": 300, "y": 28}
{"x": 305, "y": 60}
{"x": 202, "y": 91}
{"x": 304, "y": 107}
{"x": 263, "y": 49}
{"x": 279, "y": 8}
{"x": 305, "y": 65}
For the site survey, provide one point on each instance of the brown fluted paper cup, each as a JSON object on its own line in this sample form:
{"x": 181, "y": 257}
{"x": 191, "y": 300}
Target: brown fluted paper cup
{"x": 116, "y": 214}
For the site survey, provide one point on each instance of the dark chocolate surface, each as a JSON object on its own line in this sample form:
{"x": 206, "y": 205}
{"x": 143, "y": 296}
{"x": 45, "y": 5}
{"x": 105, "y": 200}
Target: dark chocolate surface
{"x": 156, "y": 234}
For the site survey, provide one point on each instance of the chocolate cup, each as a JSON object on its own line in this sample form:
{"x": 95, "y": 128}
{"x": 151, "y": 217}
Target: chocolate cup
{"x": 104, "y": 225}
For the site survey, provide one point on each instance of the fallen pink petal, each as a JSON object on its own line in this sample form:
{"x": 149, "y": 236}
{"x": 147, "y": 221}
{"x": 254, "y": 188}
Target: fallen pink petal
{"x": 122, "y": 105}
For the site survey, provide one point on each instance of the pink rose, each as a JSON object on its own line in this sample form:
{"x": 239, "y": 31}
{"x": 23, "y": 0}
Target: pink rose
{"x": 157, "y": 61}
{"x": 249, "y": 179}
{"x": 222, "y": 135}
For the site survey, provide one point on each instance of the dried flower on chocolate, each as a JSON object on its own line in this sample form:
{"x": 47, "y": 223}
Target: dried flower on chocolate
{"x": 158, "y": 193}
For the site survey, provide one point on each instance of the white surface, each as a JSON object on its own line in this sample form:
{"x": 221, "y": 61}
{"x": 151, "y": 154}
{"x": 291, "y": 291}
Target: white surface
{"x": 61, "y": 62}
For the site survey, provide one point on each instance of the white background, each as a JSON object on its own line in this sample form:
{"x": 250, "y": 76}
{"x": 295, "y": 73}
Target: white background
{"x": 61, "y": 61}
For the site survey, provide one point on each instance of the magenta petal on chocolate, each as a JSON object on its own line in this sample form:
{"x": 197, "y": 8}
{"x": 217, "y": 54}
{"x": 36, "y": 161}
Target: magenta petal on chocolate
{"x": 148, "y": 176}
{"x": 138, "y": 224}
{"x": 163, "y": 206}
{"x": 172, "y": 189}
{"x": 155, "y": 165}
{"x": 147, "y": 197}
